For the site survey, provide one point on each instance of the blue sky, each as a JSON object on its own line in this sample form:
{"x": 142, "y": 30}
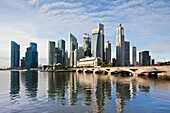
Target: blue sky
{"x": 146, "y": 23}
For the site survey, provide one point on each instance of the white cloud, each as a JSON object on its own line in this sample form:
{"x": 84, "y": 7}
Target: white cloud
{"x": 32, "y": 1}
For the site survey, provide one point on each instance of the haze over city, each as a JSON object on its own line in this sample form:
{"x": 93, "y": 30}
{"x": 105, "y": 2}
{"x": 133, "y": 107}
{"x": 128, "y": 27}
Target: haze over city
{"x": 146, "y": 24}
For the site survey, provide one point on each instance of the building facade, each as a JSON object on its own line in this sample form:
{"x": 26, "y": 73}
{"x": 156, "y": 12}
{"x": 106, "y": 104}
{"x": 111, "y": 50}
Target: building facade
{"x": 15, "y": 55}
{"x": 78, "y": 54}
{"x": 97, "y": 44}
{"x": 61, "y": 46}
{"x": 31, "y": 56}
{"x": 51, "y": 53}
{"x": 72, "y": 45}
{"x": 120, "y": 46}
{"x": 127, "y": 53}
{"x": 23, "y": 62}
{"x": 89, "y": 62}
{"x": 87, "y": 44}
{"x": 133, "y": 55}
{"x": 58, "y": 56}
{"x": 144, "y": 58}
{"x": 67, "y": 59}
{"x": 108, "y": 52}
{"x": 113, "y": 62}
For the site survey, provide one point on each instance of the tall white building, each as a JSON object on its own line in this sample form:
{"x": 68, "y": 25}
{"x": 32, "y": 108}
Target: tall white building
{"x": 120, "y": 46}
{"x": 133, "y": 55}
{"x": 78, "y": 54}
{"x": 72, "y": 45}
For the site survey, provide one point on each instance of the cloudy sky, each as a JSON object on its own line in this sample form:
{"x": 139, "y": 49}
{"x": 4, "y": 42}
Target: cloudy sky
{"x": 146, "y": 23}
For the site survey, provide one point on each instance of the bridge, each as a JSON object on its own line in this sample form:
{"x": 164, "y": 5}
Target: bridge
{"x": 137, "y": 71}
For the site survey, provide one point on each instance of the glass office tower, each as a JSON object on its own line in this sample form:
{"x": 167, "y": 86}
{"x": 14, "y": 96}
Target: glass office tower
{"x": 31, "y": 56}
{"x": 97, "y": 47}
{"x": 87, "y": 44}
{"x": 15, "y": 54}
{"x": 61, "y": 46}
{"x": 51, "y": 53}
{"x": 72, "y": 45}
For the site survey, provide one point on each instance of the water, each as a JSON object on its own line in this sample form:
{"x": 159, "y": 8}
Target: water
{"x": 43, "y": 92}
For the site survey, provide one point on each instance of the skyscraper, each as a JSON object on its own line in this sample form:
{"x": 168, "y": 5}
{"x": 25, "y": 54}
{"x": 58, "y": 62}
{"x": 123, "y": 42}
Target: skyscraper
{"x": 97, "y": 43}
{"x": 108, "y": 52}
{"x": 67, "y": 59}
{"x": 144, "y": 58}
{"x": 58, "y": 55}
{"x": 78, "y": 54}
{"x": 31, "y": 56}
{"x": 120, "y": 46}
{"x": 51, "y": 53}
{"x": 61, "y": 46}
{"x": 86, "y": 44}
{"x": 15, "y": 54}
{"x": 127, "y": 53}
{"x": 133, "y": 55}
{"x": 72, "y": 45}
{"x": 23, "y": 62}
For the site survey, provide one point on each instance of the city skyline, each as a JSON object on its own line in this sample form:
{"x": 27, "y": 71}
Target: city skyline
{"x": 146, "y": 24}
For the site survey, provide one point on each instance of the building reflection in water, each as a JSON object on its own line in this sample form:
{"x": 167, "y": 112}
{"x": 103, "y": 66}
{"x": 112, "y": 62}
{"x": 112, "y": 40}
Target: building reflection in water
{"x": 57, "y": 83}
{"x": 95, "y": 89}
{"x": 144, "y": 88}
{"x": 14, "y": 85}
{"x": 31, "y": 84}
{"x": 124, "y": 91}
{"x": 91, "y": 89}
{"x": 73, "y": 89}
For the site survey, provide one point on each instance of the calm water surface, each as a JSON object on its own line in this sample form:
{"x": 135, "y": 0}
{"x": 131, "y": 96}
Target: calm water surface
{"x": 43, "y": 92}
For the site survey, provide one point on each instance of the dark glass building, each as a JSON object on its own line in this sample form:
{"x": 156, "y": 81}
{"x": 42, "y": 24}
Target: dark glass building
{"x": 86, "y": 44}
{"x": 127, "y": 53}
{"x": 144, "y": 58}
{"x": 61, "y": 46}
{"x": 15, "y": 54}
{"x": 108, "y": 52}
{"x": 58, "y": 55}
{"x": 23, "y": 62}
{"x": 31, "y": 56}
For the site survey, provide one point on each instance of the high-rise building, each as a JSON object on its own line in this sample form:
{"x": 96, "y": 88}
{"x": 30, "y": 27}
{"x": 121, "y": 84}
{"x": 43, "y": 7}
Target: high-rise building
{"x": 120, "y": 46}
{"x": 23, "y": 62}
{"x": 72, "y": 45}
{"x": 31, "y": 56}
{"x": 144, "y": 58}
{"x": 78, "y": 54}
{"x": 153, "y": 61}
{"x": 58, "y": 55}
{"x": 86, "y": 44}
{"x": 97, "y": 43}
{"x": 51, "y": 53}
{"x": 127, "y": 53}
{"x": 108, "y": 52}
{"x": 15, "y": 54}
{"x": 113, "y": 62}
{"x": 66, "y": 57}
{"x": 133, "y": 55}
{"x": 61, "y": 46}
